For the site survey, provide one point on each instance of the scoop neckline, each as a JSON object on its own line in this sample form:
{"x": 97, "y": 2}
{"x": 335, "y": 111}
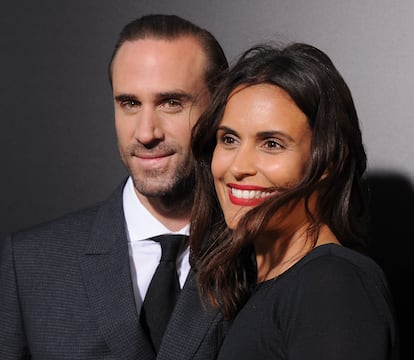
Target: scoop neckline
{"x": 287, "y": 271}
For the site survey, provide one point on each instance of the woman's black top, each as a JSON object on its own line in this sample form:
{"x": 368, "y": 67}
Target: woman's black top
{"x": 333, "y": 304}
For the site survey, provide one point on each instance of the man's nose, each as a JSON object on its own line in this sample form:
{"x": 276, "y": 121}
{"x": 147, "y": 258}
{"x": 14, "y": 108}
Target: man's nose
{"x": 148, "y": 126}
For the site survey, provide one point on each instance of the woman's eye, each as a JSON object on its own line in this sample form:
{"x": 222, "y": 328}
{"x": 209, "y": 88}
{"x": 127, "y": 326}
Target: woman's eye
{"x": 273, "y": 144}
{"x": 227, "y": 139}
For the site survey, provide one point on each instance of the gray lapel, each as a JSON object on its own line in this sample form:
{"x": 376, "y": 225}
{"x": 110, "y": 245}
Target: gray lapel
{"x": 107, "y": 279}
{"x": 189, "y": 325}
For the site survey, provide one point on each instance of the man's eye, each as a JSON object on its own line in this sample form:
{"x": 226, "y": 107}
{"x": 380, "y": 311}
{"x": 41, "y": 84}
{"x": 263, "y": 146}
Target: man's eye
{"x": 172, "y": 103}
{"x": 129, "y": 103}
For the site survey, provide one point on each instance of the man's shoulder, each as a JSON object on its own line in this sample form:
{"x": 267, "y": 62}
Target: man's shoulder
{"x": 75, "y": 218}
{"x": 77, "y": 223}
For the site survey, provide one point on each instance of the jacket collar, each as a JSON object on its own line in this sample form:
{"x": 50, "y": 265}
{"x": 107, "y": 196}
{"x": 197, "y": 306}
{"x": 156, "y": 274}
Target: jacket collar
{"x": 107, "y": 279}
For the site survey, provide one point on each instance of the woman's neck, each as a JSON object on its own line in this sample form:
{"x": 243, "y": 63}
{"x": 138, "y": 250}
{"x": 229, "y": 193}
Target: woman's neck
{"x": 276, "y": 253}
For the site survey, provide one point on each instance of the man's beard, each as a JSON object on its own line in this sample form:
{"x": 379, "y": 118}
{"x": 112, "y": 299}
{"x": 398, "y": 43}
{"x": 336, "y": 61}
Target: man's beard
{"x": 174, "y": 191}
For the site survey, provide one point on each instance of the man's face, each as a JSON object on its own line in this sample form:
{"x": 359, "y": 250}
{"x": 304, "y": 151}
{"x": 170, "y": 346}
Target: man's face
{"x": 159, "y": 93}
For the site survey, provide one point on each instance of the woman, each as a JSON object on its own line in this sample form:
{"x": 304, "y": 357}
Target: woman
{"x": 281, "y": 145}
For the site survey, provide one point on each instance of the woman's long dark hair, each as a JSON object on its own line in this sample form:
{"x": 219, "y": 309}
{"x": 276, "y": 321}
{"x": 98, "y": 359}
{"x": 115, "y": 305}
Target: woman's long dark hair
{"x": 224, "y": 259}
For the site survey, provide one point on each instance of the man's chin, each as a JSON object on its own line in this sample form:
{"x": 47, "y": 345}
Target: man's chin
{"x": 153, "y": 190}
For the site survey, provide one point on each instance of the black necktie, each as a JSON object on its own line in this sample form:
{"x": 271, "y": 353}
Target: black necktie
{"x": 163, "y": 290}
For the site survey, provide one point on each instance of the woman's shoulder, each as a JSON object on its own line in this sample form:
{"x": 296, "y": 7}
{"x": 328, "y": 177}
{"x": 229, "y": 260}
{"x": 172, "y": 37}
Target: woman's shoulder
{"x": 336, "y": 288}
{"x": 340, "y": 257}
{"x": 340, "y": 269}
{"x": 335, "y": 277}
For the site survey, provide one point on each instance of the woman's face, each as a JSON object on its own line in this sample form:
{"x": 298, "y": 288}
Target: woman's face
{"x": 263, "y": 146}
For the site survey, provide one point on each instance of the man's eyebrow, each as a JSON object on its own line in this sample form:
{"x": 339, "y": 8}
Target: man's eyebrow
{"x": 125, "y": 97}
{"x": 159, "y": 97}
{"x": 181, "y": 95}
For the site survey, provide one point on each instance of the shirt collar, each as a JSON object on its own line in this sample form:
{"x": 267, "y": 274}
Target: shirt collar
{"x": 140, "y": 223}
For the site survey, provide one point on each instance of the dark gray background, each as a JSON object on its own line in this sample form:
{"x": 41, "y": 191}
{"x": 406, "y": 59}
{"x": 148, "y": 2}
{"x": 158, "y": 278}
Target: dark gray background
{"x": 57, "y": 141}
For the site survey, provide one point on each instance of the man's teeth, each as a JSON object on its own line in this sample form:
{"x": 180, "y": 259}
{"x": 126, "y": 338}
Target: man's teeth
{"x": 249, "y": 194}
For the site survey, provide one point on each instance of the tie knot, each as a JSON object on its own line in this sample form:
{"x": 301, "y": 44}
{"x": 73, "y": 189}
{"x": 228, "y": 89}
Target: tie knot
{"x": 170, "y": 244}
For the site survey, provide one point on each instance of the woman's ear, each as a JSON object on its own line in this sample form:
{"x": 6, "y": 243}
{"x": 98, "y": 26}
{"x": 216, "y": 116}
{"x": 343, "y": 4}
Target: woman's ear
{"x": 324, "y": 175}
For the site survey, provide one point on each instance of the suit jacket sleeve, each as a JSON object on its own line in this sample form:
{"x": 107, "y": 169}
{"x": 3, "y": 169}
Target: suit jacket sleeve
{"x": 12, "y": 338}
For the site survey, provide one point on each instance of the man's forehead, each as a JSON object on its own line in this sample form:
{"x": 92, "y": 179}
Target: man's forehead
{"x": 174, "y": 55}
{"x": 183, "y": 46}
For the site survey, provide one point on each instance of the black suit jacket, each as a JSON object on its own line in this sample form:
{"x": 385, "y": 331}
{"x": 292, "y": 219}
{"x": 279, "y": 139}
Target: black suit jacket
{"x": 66, "y": 293}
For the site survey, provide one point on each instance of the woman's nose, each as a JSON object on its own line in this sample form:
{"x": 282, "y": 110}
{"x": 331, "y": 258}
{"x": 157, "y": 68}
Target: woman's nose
{"x": 244, "y": 162}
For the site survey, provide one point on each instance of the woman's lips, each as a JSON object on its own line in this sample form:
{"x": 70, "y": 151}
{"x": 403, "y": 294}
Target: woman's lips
{"x": 247, "y": 195}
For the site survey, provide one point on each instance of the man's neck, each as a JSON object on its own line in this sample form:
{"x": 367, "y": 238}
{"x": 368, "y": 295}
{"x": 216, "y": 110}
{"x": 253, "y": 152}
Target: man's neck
{"x": 174, "y": 215}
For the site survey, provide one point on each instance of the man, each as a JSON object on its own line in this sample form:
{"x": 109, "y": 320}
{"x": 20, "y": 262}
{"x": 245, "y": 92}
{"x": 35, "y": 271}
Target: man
{"x": 73, "y": 288}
